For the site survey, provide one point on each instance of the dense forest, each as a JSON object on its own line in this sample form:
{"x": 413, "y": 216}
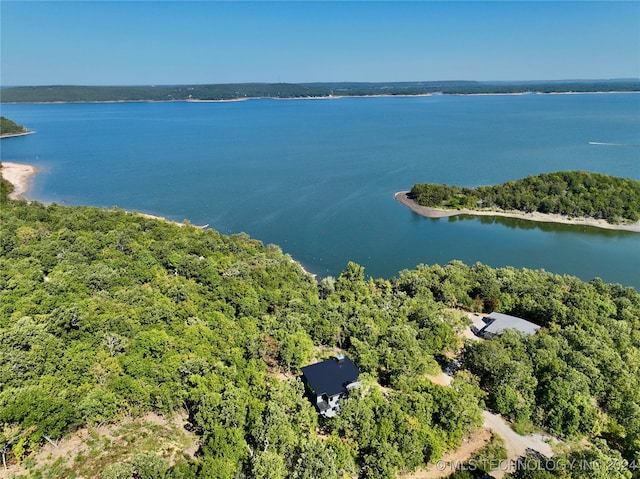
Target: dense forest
{"x": 569, "y": 193}
{"x": 106, "y": 314}
{"x": 71, "y": 93}
{"x": 10, "y": 127}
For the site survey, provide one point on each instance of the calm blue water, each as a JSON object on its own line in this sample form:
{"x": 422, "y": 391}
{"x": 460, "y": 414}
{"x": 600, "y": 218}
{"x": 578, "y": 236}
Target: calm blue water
{"x": 317, "y": 177}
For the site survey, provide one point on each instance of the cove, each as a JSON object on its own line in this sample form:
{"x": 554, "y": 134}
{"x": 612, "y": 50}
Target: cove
{"x": 317, "y": 177}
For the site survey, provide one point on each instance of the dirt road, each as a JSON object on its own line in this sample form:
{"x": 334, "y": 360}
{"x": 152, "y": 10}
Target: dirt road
{"x": 515, "y": 444}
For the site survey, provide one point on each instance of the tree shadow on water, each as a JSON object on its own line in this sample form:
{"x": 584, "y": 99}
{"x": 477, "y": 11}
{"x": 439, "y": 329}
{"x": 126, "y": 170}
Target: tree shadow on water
{"x": 547, "y": 227}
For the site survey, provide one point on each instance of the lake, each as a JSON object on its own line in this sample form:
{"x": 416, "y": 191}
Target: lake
{"x": 317, "y": 177}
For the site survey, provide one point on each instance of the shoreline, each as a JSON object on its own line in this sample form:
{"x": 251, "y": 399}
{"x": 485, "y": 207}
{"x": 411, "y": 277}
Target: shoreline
{"x": 12, "y": 135}
{"x": 19, "y": 175}
{"x": 203, "y": 227}
{"x": 162, "y": 218}
{"x": 428, "y": 212}
{"x": 326, "y": 97}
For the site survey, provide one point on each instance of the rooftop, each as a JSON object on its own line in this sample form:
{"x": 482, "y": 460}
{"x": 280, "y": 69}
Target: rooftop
{"x": 331, "y": 376}
{"x": 498, "y": 322}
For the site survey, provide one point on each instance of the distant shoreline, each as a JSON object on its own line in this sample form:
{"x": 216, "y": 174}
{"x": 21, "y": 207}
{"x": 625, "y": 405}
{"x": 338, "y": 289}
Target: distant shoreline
{"x": 19, "y": 175}
{"x": 325, "y": 97}
{"x": 428, "y": 212}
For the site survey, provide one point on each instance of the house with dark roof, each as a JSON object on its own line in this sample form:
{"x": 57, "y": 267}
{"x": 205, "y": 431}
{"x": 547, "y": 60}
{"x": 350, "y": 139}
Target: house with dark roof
{"x": 329, "y": 381}
{"x": 496, "y": 323}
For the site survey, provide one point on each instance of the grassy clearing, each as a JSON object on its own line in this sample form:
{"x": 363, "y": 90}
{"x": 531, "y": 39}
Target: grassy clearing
{"x": 88, "y": 451}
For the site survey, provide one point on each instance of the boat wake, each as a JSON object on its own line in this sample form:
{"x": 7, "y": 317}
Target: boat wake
{"x": 611, "y": 144}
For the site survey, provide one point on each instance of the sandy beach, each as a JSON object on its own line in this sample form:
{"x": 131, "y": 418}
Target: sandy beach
{"x": 19, "y": 175}
{"x": 22, "y": 133}
{"x": 402, "y": 197}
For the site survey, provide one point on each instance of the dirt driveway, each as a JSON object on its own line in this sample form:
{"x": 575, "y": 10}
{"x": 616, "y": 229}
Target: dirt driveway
{"x": 515, "y": 444}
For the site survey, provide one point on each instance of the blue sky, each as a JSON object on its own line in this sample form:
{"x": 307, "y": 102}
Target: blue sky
{"x": 169, "y": 42}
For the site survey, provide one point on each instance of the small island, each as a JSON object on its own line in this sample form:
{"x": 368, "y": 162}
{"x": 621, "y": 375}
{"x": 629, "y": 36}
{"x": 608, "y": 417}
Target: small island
{"x": 570, "y": 197}
{"x": 9, "y": 128}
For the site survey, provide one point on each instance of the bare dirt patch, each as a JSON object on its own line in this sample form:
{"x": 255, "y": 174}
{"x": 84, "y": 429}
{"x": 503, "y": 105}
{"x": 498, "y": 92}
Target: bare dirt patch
{"x": 441, "y": 379}
{"x": 446, "y": 466}
{"x": 88, "y": 450}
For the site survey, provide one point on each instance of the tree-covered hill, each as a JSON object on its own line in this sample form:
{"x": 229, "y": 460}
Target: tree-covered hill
{"x": 569, "y": 193}
{"x": 10, "y": 127}
{"x": 106, "y": 314}
{"x": 78, "y": 93}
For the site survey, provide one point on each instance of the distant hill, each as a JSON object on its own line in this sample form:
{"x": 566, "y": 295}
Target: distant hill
{"x": 231, "y": 91}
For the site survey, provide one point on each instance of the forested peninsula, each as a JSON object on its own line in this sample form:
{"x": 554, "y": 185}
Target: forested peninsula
{"x": 574, "y": 197}
{"x": 11, "y": 128}
{"x": 174, "y": 352}
{"x": 240, "y": 91}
